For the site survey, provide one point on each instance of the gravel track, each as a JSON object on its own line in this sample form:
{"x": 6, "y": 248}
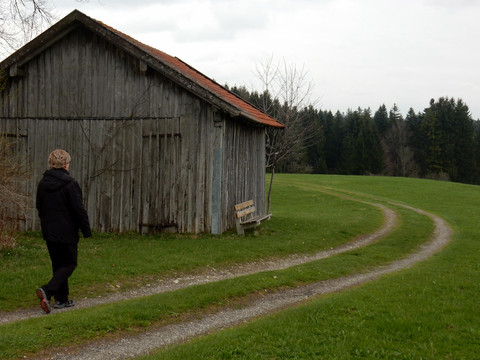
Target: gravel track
{"x": 212, "y": 275}
{"x": 143, "y": 343}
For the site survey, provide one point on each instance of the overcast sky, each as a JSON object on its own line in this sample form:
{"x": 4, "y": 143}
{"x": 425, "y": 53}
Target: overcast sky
{"x": 357, "y": 53}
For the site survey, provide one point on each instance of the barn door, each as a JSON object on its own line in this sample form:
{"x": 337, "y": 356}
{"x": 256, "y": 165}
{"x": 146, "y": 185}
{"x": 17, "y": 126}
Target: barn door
{"x": 161, "y": 154}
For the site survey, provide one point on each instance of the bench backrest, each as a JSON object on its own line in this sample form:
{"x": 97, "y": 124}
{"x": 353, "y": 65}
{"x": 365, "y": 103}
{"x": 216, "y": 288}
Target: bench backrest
{"x": 244, "y": 209}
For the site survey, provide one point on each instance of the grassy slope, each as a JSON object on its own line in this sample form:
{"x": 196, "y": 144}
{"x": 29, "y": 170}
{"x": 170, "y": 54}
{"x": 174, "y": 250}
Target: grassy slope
{"x": 408, "y": 315}
{"x": 427, "y": 312}
{"x": 111, "y": 262}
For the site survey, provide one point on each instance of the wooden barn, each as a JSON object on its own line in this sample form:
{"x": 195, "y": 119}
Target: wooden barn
{"x": 155, "y": 144}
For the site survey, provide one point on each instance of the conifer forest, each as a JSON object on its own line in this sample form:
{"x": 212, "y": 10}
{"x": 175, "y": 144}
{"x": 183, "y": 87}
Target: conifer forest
{"x": 442, "y": 142}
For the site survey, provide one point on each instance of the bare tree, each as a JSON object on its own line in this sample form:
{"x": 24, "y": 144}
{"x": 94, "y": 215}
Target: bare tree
{"x": 21, "y": 20}
{"x": 13, "y": 201}
{"x": 286, "y": 91}
{"x": 399, "y": 156}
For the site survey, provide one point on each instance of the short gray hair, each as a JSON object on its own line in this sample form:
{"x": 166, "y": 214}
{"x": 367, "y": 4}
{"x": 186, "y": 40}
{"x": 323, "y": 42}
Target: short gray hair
{"x": 58, "y": 158}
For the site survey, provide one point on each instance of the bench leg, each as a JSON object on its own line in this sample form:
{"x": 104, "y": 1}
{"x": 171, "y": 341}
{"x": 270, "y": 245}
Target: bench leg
{"x": 240, "y": 230}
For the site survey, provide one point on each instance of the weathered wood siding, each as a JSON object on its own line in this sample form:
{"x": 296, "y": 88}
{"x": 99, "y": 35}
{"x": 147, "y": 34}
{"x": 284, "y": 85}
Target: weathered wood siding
{"x": 144, "y": 150}
{"x": 244, "y": 168}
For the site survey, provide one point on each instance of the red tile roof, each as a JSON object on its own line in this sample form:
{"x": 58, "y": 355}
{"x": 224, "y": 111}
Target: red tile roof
{"x": 208, "y": 84}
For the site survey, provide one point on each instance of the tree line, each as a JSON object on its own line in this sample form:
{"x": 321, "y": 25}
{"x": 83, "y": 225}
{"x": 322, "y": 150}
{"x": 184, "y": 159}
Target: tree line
{"x": 442, "y": 142}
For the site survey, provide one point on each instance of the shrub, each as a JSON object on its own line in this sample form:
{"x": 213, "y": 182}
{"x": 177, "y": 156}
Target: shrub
{"x": 13, "y": 198}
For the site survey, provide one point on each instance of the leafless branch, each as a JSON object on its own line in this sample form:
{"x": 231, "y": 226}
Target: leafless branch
{"x": 21, "y": 20}
{"x": 286, "y": 93}
{"x": 13, "y": 199}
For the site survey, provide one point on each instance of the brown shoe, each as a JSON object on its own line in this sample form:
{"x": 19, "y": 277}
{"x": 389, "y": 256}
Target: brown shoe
{"x": 44, "y": 302}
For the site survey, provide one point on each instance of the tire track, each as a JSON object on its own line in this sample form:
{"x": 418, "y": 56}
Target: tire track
{"x": 212, "y": 275}
{"x": 140, "y": 344}
{"x": 149, "y": 341}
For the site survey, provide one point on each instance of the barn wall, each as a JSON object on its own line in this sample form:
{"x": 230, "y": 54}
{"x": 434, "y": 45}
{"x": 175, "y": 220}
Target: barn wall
{"x": 244, "y": 167}
{"x": 142, "y": 147}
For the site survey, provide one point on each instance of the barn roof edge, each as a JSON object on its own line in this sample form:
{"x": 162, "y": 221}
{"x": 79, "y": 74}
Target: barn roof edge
{"x": 198, "y": 83}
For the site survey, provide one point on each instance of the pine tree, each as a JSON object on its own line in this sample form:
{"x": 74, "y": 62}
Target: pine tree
{"x": 315, "y": 148}
{"x": 334, "y": 131}
{"x": 361, "y": 147}
{"x": 448, "y": 130}
{"x": 381, "y": 119}
{"x": 464, "y": 144}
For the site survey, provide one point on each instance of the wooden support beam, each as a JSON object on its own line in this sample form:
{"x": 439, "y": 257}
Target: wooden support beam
{"x": 15, "y": 70}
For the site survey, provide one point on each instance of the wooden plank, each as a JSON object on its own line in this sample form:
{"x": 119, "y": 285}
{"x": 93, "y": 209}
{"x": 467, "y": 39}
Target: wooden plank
{"x": 245, "y": 212}
{"x": 243, "y": 205}
{"x": 256, "y": 219}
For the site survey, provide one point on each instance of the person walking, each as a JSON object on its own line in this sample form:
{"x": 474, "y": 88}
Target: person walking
{"x": 60, "y": 207}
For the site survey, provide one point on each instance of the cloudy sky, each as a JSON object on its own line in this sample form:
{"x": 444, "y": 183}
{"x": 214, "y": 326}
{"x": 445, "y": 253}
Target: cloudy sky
{"x": 356, "y": 53}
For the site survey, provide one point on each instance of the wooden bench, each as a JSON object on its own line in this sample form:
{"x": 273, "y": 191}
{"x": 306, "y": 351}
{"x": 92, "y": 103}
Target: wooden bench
{"x": 245, "y": 218}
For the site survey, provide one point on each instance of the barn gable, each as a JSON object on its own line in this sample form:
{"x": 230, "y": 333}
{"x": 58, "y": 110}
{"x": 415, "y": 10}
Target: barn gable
{"x": 155, "y": 144}
{"x": 171, "y": 67}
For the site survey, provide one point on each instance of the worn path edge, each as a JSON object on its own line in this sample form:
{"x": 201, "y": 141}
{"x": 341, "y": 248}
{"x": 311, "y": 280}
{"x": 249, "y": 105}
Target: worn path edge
{"x": 212, "y": 275}
{"x": 141, "y": 344}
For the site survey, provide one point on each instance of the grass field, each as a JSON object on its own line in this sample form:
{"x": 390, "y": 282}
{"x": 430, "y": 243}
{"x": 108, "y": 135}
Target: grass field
{"x": 427, "y": 312}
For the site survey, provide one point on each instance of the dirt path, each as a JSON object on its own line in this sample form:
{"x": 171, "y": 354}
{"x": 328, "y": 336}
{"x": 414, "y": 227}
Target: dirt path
{"x": 143, "y": 343}
{"x": 212, "y": 275}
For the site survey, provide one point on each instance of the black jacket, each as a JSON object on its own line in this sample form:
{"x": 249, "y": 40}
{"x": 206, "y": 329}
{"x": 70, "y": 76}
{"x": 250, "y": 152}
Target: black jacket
{"x": 60, "y": 207}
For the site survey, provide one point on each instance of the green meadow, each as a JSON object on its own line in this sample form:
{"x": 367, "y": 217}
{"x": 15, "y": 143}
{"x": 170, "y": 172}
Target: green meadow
{"x": 429, "y": 311}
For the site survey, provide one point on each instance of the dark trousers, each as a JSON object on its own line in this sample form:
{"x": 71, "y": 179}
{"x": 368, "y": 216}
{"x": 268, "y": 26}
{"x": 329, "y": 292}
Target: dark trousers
{"x": 64, "y": 261}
